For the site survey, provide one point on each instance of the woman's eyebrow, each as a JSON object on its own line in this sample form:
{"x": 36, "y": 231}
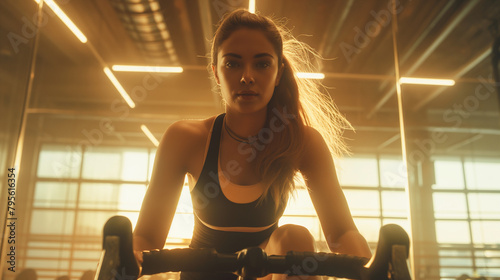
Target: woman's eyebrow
{"x": 263, "y": 55}
{"x": 232, "y": 54}
{"x": 259, "y": 55}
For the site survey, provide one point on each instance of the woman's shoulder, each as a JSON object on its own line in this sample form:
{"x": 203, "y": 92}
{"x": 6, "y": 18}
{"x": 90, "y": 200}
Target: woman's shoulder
{"x": 188, "y": 132}
{"x": 314, "y": 145}
{"x": 312, "y": 136}
{"x": 192, "y": 126}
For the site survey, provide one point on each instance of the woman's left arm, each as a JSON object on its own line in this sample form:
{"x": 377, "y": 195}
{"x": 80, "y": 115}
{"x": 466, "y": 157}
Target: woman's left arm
{"x": 318, "y": 170}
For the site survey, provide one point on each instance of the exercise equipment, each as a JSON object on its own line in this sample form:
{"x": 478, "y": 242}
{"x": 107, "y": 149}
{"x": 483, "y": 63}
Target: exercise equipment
{"x": 118, "y": 261}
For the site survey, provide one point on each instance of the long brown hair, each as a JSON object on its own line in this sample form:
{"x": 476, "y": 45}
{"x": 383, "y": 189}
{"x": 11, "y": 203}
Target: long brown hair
{"x": 302, "y": 99}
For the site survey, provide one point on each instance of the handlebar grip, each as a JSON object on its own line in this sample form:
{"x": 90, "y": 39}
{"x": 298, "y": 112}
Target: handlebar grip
{"x": 120, "y": 228}
{"x": 389, "y": 236}
{"x": 186, "y": 259}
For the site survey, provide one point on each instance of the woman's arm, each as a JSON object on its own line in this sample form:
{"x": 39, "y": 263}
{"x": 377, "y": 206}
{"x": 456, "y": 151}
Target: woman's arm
{"x": 160, "y": 202}
{"x": 318, "y": 170}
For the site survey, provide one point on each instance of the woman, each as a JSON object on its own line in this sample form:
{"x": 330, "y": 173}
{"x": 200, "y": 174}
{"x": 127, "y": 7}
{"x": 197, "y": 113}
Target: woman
{"x": 241, "y": 164}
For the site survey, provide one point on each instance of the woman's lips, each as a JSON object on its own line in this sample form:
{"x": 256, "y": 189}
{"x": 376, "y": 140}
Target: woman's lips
{"x": 247, "y": 94}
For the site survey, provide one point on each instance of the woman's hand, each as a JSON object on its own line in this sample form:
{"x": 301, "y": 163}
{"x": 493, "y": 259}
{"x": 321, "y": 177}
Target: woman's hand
{"x": 138, "y": 257}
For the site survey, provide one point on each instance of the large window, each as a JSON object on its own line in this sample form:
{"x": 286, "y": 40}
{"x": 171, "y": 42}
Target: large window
{"x": 375, "y": 190}
{"x": 466, "y": 200}
{"x": 76, "y": 190}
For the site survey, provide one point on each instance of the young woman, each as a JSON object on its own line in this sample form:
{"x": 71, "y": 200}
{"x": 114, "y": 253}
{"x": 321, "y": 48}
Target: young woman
{"x": 241, "y": 164}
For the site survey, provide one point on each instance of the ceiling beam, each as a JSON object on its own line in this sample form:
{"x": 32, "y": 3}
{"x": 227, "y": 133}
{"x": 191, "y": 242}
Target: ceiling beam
{"x": 389, "y": 141}
{"x": 100, "y": 115}
{"x": 465, "y": 142}
{"x": 440, "y": 129}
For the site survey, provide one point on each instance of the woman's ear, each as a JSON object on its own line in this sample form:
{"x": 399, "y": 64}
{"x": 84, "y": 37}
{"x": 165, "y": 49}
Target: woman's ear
{"x": 214, "y": 70}
{"x": 280, "y": 73}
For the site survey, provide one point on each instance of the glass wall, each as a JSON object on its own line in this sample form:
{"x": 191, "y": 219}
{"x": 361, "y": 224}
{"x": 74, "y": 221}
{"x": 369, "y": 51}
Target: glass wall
{"x": 452, "y": 138}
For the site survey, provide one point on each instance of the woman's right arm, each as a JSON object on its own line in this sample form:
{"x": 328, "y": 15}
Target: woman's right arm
{"x": 160, "y": 202}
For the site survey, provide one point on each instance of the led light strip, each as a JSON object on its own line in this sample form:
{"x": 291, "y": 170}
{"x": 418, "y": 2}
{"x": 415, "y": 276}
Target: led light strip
{"x": 119, "y": 87}
{"x": 303, "y": 75}
{"x": 150, "y": 135}
{"x": 157, "y": 69}
{"x": 425, "y": 81}
{"x": 65, "y": 19}
{"x": 251, "y": 6}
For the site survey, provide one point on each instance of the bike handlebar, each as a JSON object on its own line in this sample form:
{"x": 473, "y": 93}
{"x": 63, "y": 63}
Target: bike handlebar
{"x": 253, "y": 262}
{"x": 118, "y": 261}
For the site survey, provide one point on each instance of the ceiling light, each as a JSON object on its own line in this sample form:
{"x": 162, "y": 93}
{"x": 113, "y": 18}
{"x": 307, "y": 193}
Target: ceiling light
{"x": 251, "y": 6}
{"x": 425, "y": 81}
{"x": 150, "y": 135}
{"x": 303, "y": 75}
{"x": 119, "y": 87}
{"x": 157, "y": 69}
{"x": 65, "y": 19}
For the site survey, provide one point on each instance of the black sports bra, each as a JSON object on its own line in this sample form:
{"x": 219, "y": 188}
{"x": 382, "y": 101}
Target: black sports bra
{"x": 213, "y": 208}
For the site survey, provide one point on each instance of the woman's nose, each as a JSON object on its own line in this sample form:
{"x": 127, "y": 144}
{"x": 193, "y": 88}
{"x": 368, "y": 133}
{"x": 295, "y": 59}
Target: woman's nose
{"x": 247, "y": 77}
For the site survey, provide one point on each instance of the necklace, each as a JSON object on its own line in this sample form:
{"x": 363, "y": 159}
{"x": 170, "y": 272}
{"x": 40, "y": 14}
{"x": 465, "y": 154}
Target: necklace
{"x": 235, "y": 136}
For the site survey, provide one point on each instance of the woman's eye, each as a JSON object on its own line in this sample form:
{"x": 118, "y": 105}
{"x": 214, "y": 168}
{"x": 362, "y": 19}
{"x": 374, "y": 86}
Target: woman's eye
{"x": 263, "y": 64}
{"x": 231, "y": 64}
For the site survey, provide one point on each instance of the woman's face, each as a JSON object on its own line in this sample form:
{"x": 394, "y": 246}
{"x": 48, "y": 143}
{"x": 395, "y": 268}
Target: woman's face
{"x": 247, "y": 71}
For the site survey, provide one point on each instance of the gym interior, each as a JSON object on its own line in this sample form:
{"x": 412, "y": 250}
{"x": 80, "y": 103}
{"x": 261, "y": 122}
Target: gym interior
{"x": 75, "y": 151}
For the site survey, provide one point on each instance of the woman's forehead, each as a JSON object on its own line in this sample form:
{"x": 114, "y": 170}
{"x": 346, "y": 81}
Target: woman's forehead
{"x": 247, "y": 42}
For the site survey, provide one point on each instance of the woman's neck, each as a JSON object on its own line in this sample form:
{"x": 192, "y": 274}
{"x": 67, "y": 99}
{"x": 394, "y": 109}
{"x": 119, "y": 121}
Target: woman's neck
{"x": 245, "y": 125}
